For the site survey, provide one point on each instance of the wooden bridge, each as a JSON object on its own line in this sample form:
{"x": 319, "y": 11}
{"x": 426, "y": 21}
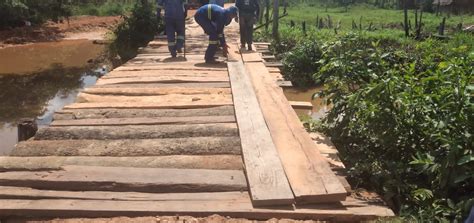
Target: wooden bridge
{"x": 163, "y": 136}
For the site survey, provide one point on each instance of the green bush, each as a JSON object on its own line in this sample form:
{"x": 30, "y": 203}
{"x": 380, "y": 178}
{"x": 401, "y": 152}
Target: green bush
{"x": 14, "y": 13}
{"x": 300, "y": 63}
{"x": 136, "y": 30}
{"x": 402, "y": 119}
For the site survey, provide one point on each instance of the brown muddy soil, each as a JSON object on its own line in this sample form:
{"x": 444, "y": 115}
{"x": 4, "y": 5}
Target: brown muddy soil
{"x": 78, "y": 27}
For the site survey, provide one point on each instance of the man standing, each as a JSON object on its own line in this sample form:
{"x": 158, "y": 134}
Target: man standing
{"x": 213, "y": 18}
{"x": 174, "y": 22}
{"x": 248, "y": 15}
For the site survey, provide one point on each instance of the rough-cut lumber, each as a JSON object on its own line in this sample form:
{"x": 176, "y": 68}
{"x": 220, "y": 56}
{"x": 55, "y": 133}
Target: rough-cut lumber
{"x": 348, "y": 211}
{"x": 166, "y": 73}
{"x": 132, "y": 113}
{"x": 190, "y": 68}
{"x": 218, "y": 162}
{"x": 250, "y": 56}
{"x": 145, "y": 121}
{"x": 30, "y": 193}
{"x": 267, "y": 181}
{"x": 284, "y": 84}
{"x": 156, "y": 180}
{"x": 225, "y": 84}
{"x": 160, "y": 99}
{"x": 309, "y": 174}
{"x": 149, "y": 105}
{"x": 155, "y": 91}
{"x": 130, "y": 147}
{"x": 301, "y": 105}
{"x": 162, "y": 79}
{"x": 137, "y": 131}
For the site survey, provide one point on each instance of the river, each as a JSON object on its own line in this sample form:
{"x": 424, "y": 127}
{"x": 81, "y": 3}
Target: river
{"x": 38, "y": 79}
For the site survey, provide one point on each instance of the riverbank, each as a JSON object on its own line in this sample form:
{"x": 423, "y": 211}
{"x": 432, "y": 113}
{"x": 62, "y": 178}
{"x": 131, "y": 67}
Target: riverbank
{"x": 78, "y": 27}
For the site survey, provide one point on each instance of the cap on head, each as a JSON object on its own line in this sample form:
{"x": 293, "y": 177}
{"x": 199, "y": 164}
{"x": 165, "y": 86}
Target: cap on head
{"x": 232, "y": 10}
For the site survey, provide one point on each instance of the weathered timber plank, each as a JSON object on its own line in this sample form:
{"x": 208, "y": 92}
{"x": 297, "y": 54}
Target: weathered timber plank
{"x": 284, "y": 84}
{"x": 171, "y": 67}
{"x": 34, "y": 194}
{"x": 301, "y": 105}
{"x": 217, "y": 162}
{"x": 250, "y": 56}
{"x": 159, "y": 73}
{"x": 161, "y": 79}
{"x": 149, "y": 105}
{"x": 156, "y": 180}
{"x": 150, "y": 113}
{"x": 137, "y": 131}
{"x": 130, "y": 147}
{"x": 309, "y": 174}
{"x": 145, "y": 121}
{"x": 267, "y": 181}
{"x": 155, "y": 91}
{"x": 168, "y": 85}
{"x": 161, "y": 99}
{"x": 348, "y": 211}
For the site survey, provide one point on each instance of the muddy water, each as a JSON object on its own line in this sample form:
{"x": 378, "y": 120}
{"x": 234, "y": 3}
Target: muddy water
{"x": 319, "y": 105}
{"x": 38, "y": 79}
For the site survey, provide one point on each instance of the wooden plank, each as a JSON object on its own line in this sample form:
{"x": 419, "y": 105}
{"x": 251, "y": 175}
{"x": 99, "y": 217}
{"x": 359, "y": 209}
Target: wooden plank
{"x": 284, "y": 84}
{"x": 137, "y": 131}
{"x": 168, "y": 85}
{"x": 217, "y": 162}
{"x": 150, "y": 113}
{"x": 310, "y": 177}
{"x": 155, "y": 91}
{"x": 164, "y": 73}
{"x": 161, "y": 79}
{"x": 159, "y": 99}
{"x": 130, "y": 147}
{"x": 171, "y": 67}
{"x": 35, "y": 194}
{"x": 301, "y": 105}
{"x": 348, "y": 211}
{"x": 267, "y": 181}
{"x": 145, "y": 121}
{"x": 156, "y": 180}
{"x": 250, "y": 56}
{"x": 273, "y": 64}
{"x": 135, "y": 105}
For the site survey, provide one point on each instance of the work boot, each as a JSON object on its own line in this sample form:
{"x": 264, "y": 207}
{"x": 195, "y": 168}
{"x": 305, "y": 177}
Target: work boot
{"x": 179, "y": 50}
{"x": 242, "y": 46}
{"x": 250, "y": 47}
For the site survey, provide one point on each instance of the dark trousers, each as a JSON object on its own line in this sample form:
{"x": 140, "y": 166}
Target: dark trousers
{"x": 175, "y": 34}
{"x": 211, "y": 30}
{"x": 246, "y": 28}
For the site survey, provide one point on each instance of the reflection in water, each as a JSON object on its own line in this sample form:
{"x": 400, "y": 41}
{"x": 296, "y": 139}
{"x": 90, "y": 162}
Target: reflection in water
{"x": 29, "y": 93}
{"x": 319, "y": 106}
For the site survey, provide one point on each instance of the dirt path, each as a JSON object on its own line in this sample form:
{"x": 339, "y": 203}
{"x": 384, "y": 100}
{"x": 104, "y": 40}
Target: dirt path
{"x": 79, "y": 27}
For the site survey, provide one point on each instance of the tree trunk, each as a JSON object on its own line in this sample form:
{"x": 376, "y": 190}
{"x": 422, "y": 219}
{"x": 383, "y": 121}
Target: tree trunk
{"x": 267, "y": 14}
{"x": 276, "y": 16}
{"x": 405, "y": 12}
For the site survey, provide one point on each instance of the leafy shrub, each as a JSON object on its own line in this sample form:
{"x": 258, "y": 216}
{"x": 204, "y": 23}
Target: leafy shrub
{"x": 136, "y": 30}
{"x": 14, "y": 13}
{"x": 402, "y": 120}
{"x": 299, "y": 64}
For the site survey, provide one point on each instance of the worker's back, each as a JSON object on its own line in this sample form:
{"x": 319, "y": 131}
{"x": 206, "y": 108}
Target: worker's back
{"x": 212, "y": 12}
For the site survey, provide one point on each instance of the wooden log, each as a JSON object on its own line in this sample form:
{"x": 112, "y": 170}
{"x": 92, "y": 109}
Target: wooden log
{"x": 134, "y": 105}
{"x": 150, "y": 113}
{"x": 310, "y": 177}
{"x": 145, "y": 121}
{"x": 203, "y": 206}
{"x": 26, "y": 129}
{"x": 130, "y": 147}
{"x": 35, "y": 194}
{"x": 267, "y": 181}
{"x": 217, "y": 162}
{"x": 137, "y": 131}
{"x": 159, "y": 99}
{"x": 168, "y": 85}
{"x": 155, "y": 91}
{"x": 156, "y": 180}
{"x": 162, "y": 79}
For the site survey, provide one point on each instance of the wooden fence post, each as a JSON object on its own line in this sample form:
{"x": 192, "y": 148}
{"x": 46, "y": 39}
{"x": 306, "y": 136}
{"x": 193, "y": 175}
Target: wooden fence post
{"x": 27, "y": 128}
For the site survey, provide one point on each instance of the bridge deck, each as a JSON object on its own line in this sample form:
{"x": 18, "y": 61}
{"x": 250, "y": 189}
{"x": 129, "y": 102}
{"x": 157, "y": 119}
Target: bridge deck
{"x": 162, "y": 136}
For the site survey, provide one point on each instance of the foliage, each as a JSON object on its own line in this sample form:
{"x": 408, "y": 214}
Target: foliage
{"x": 109, "y": 8}
{"x": 136, "y": 30}
{"x": 402, "y": 119}
{"x": 299, "y": 64}
{"x": 14, "y": 13}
